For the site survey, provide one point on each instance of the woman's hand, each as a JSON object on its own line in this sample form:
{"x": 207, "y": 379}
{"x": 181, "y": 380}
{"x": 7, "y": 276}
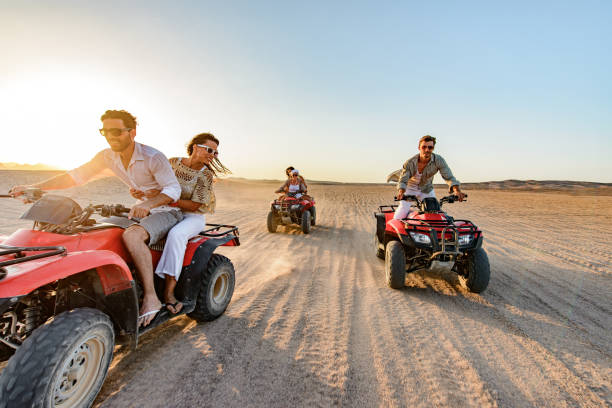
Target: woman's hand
{"x": 152, "y": 193}
{"x": 141, "y": 195}
{"x": 137, "y": 194}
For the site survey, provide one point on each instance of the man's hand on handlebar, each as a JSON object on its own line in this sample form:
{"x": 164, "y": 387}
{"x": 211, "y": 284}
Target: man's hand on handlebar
{"x": 400, "y": 193}
{"x": 27, "y": 193}
{"x": 460, "y": 196}
{"x": 139, "y": 210}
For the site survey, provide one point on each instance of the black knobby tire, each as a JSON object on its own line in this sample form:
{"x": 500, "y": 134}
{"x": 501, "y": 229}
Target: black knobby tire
{"x": 478, "y": 272}
{"x": 395, "y": 265}
{"x": 272, "y": 222}
{"x": 306, "y": 222}
{"x": 380, "y": 253}
{"x": 313, "y": 216}
{"x": 216, "y": 290}
{"x": 63, "y": 362}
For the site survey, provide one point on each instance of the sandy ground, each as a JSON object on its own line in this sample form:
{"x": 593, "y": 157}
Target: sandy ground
{"x": 312, "y": 322}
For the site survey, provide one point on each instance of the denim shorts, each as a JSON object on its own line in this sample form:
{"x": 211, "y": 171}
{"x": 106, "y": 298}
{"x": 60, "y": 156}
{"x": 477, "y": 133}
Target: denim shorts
{"x": 158, "y": 223}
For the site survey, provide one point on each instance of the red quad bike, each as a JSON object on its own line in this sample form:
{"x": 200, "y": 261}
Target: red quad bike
{"x": 430, "y": 239}
{"x": 67, "y": 287}
{"x": 292, "y": 210}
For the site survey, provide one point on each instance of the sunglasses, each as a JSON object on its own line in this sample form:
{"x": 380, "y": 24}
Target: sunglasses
{"x": 427, "y": 147}
{"x": 113, "y": 131}
{"x": 209, "y": 150}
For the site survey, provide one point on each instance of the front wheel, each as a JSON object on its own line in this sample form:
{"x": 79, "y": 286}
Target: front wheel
{"x": 313, "y": 215}
{"x": 216, "y": 290}
{"x": 395, "y": 265}
{"x": 306, "y": 222}
{"x": 477, "y": 272}
{"x": 272, "y": 222}
{"x": 62, "y": 364}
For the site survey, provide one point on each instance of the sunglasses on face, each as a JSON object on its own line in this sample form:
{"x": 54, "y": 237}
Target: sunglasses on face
{"x": 427, "y": 147}
{"x": 209, "y": 150}
{"x": 112, "y": 131}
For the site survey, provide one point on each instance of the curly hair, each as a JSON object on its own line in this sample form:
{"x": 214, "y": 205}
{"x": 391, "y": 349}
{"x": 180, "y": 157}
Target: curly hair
{"x": 215, "y": 165}
{"x": 128, "y": 119}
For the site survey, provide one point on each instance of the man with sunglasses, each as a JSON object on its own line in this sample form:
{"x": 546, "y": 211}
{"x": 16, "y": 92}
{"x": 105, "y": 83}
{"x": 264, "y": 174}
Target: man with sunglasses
{"x": 417, "y": 175}
{"x": 142, "y": 168}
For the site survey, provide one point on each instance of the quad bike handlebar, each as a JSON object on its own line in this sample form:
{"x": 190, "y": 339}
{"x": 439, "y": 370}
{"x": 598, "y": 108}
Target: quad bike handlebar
{"x": 447, "y": 199}
{"x": 29, "y": 195}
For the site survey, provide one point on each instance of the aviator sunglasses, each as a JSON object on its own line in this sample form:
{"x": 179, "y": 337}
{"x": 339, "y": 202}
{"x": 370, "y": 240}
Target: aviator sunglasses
{"x": 209, "y": 150}
{"x": 113, "y": 131}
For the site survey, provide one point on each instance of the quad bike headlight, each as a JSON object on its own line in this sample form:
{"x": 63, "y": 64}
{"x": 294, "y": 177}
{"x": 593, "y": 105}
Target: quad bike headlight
{"x": 465, "y": 239}
{"x": 295, "y": 207}
{"x": 420, "y": 238}
{"x": 276, "y": 206}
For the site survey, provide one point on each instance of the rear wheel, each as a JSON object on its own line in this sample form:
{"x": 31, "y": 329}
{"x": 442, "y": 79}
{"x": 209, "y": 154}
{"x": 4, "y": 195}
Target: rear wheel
{"x": 306, "y": 222}
{"x": 272, "y": 222}
{"x": 216, "y": 290}
{"x": 313, "y": 215}
{"x": 380, "y": 253}
{"x": 395, "y": 265}
{"x": 477, "y": 272}
{"x": 62, "y": 364}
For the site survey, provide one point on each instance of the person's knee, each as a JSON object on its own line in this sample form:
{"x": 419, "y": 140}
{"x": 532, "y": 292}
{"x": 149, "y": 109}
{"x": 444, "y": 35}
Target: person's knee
{"x": 135, "y": 234}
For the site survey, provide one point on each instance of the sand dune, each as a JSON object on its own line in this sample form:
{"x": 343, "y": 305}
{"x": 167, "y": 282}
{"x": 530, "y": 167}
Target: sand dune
{"x": 313, "y": 324}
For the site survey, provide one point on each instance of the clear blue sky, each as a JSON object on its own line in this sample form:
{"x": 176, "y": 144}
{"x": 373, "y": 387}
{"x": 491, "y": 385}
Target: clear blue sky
{"x": 340, "y": 90}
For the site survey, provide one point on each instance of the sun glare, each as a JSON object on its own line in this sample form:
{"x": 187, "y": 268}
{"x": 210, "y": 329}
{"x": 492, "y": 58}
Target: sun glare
{"x": 52, "y": 118}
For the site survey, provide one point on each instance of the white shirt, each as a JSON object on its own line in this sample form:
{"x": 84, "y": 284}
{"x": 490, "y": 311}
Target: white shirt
{"x": 413, "y": 182}
{"x": 148, "y": 169}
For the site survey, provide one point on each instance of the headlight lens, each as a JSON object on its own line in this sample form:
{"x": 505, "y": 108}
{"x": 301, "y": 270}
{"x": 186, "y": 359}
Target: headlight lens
{"x": 276, "y": 206}
{"x": 420, "y": 238}
{"x": 295, "y": 207}
{"x": 465, "y": 239}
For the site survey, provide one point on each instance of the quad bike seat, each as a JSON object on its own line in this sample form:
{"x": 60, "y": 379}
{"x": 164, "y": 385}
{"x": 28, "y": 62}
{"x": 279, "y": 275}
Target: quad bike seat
{"x": 431, "y": 204}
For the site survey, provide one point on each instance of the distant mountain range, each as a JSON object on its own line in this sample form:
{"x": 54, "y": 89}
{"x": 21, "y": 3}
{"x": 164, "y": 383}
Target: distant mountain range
{"x": 19, "y": 166}
{"x": 505, "y": 185}
{"x": 484, "y": 185}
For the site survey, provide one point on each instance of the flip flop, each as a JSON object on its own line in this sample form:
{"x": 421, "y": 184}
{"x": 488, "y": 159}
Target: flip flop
{"x": 174, "y": 307}
{"x": 152, "y": 312}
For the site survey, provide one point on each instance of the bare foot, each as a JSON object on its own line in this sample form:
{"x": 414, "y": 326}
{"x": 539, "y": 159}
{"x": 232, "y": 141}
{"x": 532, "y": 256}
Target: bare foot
{"x": 150, "y": 307}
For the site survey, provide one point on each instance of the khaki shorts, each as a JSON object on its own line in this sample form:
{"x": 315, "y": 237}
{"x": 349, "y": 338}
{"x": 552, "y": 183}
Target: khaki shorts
{"x": 157, "y": 224}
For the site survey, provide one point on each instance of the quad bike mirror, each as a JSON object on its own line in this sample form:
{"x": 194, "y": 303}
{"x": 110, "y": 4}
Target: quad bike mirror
{"x": 52, "y": 209}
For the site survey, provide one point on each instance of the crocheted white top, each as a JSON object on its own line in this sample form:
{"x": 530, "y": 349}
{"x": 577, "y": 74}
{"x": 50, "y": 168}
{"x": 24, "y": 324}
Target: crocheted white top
{"x": 196, "y": 185}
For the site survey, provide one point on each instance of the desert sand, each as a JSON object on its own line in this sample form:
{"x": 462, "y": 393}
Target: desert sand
{"x": 312, "y": 322}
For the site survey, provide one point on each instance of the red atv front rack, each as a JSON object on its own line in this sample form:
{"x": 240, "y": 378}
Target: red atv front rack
{"x": 20, "y": 257}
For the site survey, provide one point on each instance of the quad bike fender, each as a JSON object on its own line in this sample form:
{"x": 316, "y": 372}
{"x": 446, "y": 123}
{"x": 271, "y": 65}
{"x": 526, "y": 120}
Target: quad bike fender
{"x": 396, "y": 228}
{"x": 477, "y": 244}
{"x": 24, "y": 278}
{"x": 188, "y": 286}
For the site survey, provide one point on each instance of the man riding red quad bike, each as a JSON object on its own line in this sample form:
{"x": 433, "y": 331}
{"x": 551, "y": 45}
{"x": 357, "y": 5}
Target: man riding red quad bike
{"x": 290, "y": 209}
{"x": 67, "y": 287}
{"x": 432, "y": 240}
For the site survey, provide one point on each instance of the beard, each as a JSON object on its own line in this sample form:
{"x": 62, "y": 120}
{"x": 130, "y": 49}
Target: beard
{"x": 119, "y": 145}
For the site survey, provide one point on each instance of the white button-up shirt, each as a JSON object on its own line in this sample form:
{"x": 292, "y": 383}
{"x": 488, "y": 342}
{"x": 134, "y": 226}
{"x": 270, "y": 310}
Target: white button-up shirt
{"x": 148, "y": 169}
